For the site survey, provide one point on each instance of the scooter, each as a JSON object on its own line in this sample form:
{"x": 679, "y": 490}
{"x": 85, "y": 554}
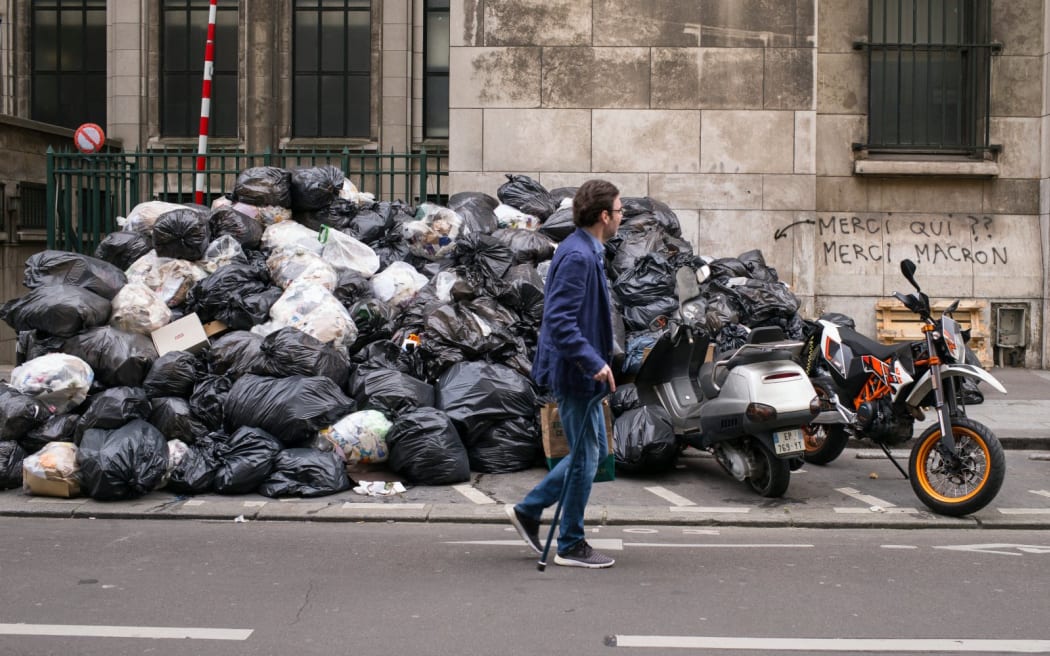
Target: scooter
{"x": 877, "y": 391}
{"x": 746, "y": 406}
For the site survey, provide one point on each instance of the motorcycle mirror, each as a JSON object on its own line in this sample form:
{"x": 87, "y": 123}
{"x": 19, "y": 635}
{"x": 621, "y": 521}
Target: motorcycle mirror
{"x": 685, "y": 279}
{"x": 908, "y": 269}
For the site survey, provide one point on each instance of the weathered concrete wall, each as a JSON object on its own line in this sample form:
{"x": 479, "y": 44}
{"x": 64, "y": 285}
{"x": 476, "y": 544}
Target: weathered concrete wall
{"x": 742, "y": 113}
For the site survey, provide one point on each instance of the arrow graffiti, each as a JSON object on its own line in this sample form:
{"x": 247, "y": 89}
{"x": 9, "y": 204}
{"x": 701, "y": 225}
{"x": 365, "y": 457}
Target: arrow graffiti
{"x": 782, "y": 232}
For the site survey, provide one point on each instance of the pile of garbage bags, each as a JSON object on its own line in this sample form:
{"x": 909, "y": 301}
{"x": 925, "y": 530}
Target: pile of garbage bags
{"x": 350, "y": 333}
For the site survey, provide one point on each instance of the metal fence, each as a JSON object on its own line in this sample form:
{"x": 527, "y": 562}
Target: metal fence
{"x": 86, "y": 193}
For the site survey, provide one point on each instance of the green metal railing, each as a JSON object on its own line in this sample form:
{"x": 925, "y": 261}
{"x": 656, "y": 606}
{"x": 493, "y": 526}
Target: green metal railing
{"x": 86, "y": 193}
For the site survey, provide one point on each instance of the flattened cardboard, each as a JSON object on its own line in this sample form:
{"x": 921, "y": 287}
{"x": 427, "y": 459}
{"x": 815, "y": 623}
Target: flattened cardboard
{"x": 186, "y": 334}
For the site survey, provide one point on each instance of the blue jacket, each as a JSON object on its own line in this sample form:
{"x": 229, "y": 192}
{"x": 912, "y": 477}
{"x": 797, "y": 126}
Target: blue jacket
{"x": 576, "y": 337}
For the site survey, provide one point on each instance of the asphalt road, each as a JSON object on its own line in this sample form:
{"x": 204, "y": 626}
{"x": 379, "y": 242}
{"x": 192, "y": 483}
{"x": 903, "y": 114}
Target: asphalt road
{"x": 389, "y": 589}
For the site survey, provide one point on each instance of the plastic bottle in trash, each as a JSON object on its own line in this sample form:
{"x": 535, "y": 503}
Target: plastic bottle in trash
{"x": 411, "y": 343}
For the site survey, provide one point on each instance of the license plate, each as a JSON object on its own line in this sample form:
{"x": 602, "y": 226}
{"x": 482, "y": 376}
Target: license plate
{"x": 789, "y": 441}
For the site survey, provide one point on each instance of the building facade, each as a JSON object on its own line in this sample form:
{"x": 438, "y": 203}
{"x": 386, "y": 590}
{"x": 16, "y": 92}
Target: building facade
{"x": 837, "y": 136}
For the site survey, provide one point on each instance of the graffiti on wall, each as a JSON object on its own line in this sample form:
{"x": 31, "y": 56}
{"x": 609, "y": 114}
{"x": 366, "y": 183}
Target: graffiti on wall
{"x": 850, "y": 239}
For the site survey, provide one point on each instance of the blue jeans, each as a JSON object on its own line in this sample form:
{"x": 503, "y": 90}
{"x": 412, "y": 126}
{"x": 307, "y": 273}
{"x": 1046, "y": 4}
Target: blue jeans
{"x": 583, "y": 421}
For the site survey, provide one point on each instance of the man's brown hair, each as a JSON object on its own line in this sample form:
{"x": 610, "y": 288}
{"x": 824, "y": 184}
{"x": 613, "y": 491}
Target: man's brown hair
{"x": 592, "y": 198}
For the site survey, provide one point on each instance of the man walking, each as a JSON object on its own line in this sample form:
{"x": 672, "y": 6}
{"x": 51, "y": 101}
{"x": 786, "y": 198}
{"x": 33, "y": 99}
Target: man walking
{"x": 572, "y": 356}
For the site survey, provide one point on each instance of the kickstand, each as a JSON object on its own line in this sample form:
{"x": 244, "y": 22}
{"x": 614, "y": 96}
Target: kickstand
{"x": 893, "y": 460}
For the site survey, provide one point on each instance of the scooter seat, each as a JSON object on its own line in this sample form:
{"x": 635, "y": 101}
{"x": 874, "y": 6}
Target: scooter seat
{"x": 709, "y": 387}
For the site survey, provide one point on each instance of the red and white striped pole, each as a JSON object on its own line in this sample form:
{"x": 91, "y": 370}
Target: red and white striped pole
{"x": 209, "y": 67}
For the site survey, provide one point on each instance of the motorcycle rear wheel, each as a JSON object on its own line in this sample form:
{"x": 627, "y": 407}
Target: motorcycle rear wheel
{"x": 961, "y": 492}
{"x": 824, "y": 442}
{"x": 772, "y": 474}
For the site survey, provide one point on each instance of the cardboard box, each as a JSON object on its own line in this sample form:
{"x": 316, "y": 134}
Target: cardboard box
{"x": 186, "y": 334}
{"x": 47, "y": 487}
{"x": 213, "y": 328}
{"x": 556, "y": 446}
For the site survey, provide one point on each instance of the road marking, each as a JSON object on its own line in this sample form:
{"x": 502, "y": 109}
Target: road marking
{"x": 1000, "y": 548}
{"x": 255, "y": 504}
{"x": 364, "y": 505}
{"x": 605, "y": 544}
{"x": 898, "y": 546}
{"x": 1042, "y": 493}
{"x": 1025, "y": 511}
{"x": 193, "y": 502}
{"x": 54, "y": 500}
{"x": 711, "y": 509}
{"x": 475, "y": 495}
{"x": 675, "y": 499}
{"x": 84, "y": 630}
{"x": 829, "y": 644}
{"x": 864, "y": 498}
{"x": 893, "y": 510}
{"x": 679, "y": 545}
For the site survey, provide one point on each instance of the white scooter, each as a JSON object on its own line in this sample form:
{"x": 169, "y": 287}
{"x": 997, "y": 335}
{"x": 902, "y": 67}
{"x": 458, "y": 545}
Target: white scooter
{"x": 747, "y": 406}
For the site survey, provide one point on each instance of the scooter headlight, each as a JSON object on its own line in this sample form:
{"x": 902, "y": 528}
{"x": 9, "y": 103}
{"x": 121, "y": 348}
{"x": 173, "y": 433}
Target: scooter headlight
{"x": 760, "y": 412}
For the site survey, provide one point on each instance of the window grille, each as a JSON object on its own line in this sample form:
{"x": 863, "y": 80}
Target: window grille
{"x": 929, "y": 67}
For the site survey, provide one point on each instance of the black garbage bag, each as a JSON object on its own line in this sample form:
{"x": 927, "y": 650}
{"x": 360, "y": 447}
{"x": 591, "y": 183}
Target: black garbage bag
{"x": 390, "y": 248}
{"x": 173, "y": 417}
{"x": 426, "y": 450}
{"x": 315, "y": 187}
{"x": 482, "y": 261}
{"x": 173, "y": 374}
{"x": 389, "y": 390}
{"x": 528, "y": 246}
{"x": 477, "y": 210}
{"x": 339, "y": 215}
{"x": 374, "y": 320}
{"x": 728, "y": 267}
{"x": 757, "y": 267}
{"x": 508, "y": 446}
{"x": 840, "y": 319}
{"x": 122, "y": 248}
{"x": 291, "y": 409}
{"x": 289, "y": 352}
{"x": 112, "y": 408}
{"x": 123, "y": 463}
{"x": 351, "y": 287}
{"x": 246, "y": 459}
{"x": 58, "y": 428}
{"x": 19, "y": 413}
{"x": 182, "y": 234}
{"x": 11, "y": 457}
{"x": 208, "y": 400}
{"x": 478, "y": 395}
{"x": 647, "y": 292}
{"x": 305, "y": 472}
{"x": 624, "y": 398}
{"x": 523, "y": 292}
{"x": 227, "y": 221}
{"x": 118, "y": 358}
{"x": 628, "y": 248}
{"x": 645, "y": 442}
{"x": 559, "y": 194}
{"x": 195, "y": 474}
{"x": 263, "y": 186}
{"x": 385, "y": 354}
{"x": 239, "y": 295}
{"x": 527, "y": 195}
{"x": 558, "y": 225}
{"x": 34, "y": 343}
{"x": 62, "y": 310}
{"x": 648, "y": 213}
{"x": 234, "y": 354}
{"x": 366, "y": 224}
{"x": 760, "y": 301}
{"x": 65, "y": 268}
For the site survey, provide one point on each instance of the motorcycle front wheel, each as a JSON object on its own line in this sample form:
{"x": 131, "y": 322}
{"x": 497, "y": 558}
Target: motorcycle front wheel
{"x": 951, "y": 491}
{"x": 770, "y": 474}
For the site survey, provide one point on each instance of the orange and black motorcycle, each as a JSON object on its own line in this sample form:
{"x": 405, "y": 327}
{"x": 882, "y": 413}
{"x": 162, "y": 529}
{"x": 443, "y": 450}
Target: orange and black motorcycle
{"x": 877, "y": 391}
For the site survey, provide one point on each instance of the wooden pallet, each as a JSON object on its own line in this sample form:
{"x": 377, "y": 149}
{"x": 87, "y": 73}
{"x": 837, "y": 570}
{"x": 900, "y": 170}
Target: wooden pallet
{"x": 895, "y": 323}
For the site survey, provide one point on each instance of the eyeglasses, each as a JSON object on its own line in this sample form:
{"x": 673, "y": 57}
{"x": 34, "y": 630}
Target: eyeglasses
{"x": 618, "y": 210}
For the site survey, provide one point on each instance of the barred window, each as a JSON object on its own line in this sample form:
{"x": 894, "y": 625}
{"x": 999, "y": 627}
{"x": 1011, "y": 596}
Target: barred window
{"x": 69, "y": 62}
{"x": 184, "y": 33}
{"x": 332, "y": 68}
{"x": 929, "y": 63}
{"x": 435, "y": 69}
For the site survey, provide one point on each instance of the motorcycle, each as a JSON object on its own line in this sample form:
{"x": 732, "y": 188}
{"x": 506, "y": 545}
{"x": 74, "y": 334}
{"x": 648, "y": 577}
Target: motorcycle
{"x": 747, "y": 406}
{"x": 878, "y": 391}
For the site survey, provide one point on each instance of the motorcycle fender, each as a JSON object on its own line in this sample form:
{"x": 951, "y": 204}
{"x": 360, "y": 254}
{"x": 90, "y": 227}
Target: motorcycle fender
{"x": 925, "y": 384}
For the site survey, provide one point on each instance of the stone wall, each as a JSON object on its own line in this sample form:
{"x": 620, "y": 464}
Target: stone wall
{"x": 741, "y": 114}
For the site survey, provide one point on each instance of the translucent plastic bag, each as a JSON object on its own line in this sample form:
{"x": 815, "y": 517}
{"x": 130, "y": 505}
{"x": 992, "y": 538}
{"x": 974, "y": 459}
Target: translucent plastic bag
{"x": 398, "y": 284}
{"x": 345, "y": 253}
{"x": 142, "y": 217}
{"x": 296, "y": 264}
{"x": 52, "y": 471}
{"x": 360, "y": 436}
{"x": 224, "y": 250}
{"x": 170, "y": 279}
{"x": 289, "y": 234}
{"x": 58, "y": 380}
{"x": 434, "y": 235}
{"x": 314, "y": 310}
{"x": 138, "y": 309}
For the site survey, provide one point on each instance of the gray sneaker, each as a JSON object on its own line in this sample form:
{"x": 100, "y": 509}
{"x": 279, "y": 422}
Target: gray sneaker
{"x": 582, "y": 555}
{"x": 528, "y": 528}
